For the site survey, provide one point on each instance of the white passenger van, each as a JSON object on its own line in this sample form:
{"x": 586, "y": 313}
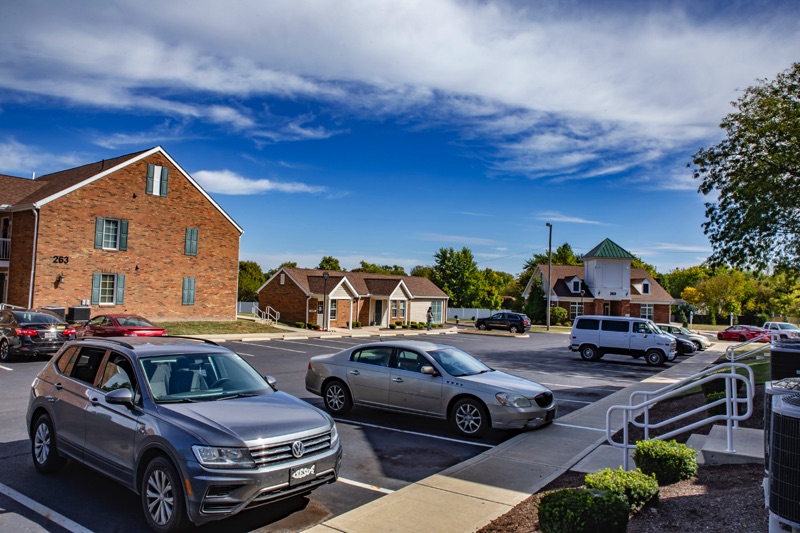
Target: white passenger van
{"x": 593, "y": 336}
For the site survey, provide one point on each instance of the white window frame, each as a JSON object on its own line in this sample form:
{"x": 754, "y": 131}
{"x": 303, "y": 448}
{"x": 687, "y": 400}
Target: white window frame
{"x": 333, "y": 308}
{"x": 394, "y": 308}
{"x": 647, "y": 311}
{"x": 402, "y": 308}
{"x": 576, "y": 286}
{"x": 575, "y": 310}
{"x": 108, "y": 234}
{"x": 646, "y": 287}
{"x": 105, "y": 287}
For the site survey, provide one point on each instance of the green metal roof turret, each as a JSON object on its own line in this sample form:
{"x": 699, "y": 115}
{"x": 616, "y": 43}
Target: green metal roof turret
{"x": 608, "y": 249}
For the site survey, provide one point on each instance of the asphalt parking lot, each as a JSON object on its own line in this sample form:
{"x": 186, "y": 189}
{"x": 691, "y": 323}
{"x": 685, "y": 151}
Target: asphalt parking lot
{"x": 383, "y": 452}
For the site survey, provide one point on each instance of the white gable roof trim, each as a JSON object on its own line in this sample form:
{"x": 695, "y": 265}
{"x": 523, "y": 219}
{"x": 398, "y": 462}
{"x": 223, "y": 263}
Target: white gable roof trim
{"x": 124, "y": 164}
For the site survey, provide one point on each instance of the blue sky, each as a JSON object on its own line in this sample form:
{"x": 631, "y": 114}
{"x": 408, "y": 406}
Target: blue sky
{"x": 385, "y": 130}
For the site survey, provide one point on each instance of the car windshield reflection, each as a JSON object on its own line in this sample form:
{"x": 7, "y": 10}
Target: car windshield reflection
{"x": 457, "y": 362}
{"x": 201, "y": 377}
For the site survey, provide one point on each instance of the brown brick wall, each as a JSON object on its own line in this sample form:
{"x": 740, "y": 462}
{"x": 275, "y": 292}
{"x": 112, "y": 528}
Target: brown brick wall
{"x": 21, "y": 257}
{"x": 156, "y": 236}
{"x": 288, "y": 299}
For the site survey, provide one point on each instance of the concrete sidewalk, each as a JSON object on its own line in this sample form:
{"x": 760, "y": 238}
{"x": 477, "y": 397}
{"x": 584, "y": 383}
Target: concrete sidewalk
{"x": 469, "y": 495}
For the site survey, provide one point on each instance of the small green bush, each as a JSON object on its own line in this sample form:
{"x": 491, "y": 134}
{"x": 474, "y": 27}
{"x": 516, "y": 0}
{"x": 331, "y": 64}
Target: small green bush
{"x": 398, "y": 323}
{"x": 315, "y": 327}
{"x": 558, "y": 315}
{"x": 392, "y": 326}
{"x": 301, "y": 325}
{"x": 582, "y": 511}
{"x": 636, "y": 487}
{"x": 357, "y": 324}
{"x": 669, "y": 461}
{"x": 718, "y": 409}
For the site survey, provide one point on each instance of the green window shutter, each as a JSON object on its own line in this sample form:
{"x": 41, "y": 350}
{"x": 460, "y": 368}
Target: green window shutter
{"x": 164, "y": 178}
{"x": 95, "y": 289}
{"x": 149, "y": 187}
{"x": 190, "y": 246}
{"x": 188, "y": 291}
{"x": 120, "y": 299}
{"x": 123, "y": 235}
{"x": 98, "y": 232}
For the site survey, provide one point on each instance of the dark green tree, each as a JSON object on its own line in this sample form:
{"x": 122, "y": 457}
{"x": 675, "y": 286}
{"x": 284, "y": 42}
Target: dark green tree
{"x": 422, "y": 271}
{"x": 330, "y": 263}
{"x": 457, "y": 274}
{"x": 754, "y": 173}
{"x": 372, "y": 268}
{"x": 287, "y": 264}
{"x": 251, "y": 278}
{"x": 535, "y": 306}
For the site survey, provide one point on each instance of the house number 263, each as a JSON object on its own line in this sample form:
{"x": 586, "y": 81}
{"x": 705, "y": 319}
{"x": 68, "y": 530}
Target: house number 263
{"x": 61, "y": 259}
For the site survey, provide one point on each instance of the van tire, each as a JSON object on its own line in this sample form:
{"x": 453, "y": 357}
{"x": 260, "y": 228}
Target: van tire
{"x": 654, "y": 358}
{"x": 589, "y": 352}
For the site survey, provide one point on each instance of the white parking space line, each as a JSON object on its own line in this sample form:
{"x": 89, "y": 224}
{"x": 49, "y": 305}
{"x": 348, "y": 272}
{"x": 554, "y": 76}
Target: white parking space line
{"x": 561, "y": 385}
{"x": 271, "y": 346}
{"x": 312, "y": 344}
{"x": 6, "y": 368}
{"x": 578, "y": 427}
{"x": 561, "y": 400}
{"x": 354, "y": 423}
{"x": 365, "y": 486}
{"x": 40, "y": 509}
{"x": 247, "y": 354}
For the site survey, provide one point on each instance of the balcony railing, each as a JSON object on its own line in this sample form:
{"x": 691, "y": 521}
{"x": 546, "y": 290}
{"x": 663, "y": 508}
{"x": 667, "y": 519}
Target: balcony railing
{"x": 5, "y": 249}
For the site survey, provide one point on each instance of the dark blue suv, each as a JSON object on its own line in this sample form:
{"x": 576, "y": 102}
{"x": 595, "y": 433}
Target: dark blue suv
{"x": 513, "y": 322}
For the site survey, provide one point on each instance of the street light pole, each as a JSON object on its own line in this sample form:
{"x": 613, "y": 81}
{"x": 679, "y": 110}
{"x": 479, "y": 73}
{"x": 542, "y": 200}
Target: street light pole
{"x": 549, "y": 271}
{"x": 324, "y": 300}
{"x": 582, "y": 291}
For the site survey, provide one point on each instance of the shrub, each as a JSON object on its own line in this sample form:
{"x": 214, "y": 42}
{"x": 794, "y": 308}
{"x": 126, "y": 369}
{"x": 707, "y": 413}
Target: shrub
{"x": 633, "y": 486}
{"x": 717, "y": 409}
{"x": 300, "y": 325}
{"x": 582, "y": 511}
{"x": 316, "y": 327}
{"x": 392, "y": 326}
{"x": 558, "y": 315}
{"x": 357, "y": 324}
{"x": 669, "y": 461}
{"x": 398, "y": 323}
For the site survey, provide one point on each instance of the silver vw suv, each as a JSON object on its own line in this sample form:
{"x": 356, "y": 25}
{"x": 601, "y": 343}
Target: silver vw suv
{"x": 186, "y": 424}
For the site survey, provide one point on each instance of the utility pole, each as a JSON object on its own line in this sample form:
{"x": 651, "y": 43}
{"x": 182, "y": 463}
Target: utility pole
{"x": 549, "y": 271}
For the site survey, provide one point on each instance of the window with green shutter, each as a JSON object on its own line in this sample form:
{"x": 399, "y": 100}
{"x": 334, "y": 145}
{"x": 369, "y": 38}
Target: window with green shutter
{"x": 188, "y": 291}
{"x": 111, "y": 234}
{"x": 108, "y": 289}
{"x": 190, "y": 246}
{"x": 157, "y": 179}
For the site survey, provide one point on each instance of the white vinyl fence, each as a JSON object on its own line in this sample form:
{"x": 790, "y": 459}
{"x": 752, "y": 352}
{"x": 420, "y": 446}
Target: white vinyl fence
{"x": 468, "y": 313}
{"x": 245, "y": 307}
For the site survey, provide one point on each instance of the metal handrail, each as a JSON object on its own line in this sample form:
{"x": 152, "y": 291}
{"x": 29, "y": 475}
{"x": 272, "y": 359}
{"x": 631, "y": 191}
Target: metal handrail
{"x": 268, "y": 315}
{"x": 651, "y": 398}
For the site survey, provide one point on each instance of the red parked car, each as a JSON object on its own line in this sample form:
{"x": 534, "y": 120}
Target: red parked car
{"x": 120, "y": 326}
{"x": 743, "y": 333}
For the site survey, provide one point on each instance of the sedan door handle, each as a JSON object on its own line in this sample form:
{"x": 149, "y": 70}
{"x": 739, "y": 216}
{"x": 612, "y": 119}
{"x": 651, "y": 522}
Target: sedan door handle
{"x": 397, "y": 380}
{"x": 355, "y": 372}
{"x": 59, "y": 386}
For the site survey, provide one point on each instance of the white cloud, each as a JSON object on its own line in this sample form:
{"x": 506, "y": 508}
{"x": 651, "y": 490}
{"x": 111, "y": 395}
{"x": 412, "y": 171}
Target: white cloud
{"x": 556, "y": 87}
{"x": 228, "y": 182}
{"x": 17, "y": 159}
{"x": 551, "y": 216}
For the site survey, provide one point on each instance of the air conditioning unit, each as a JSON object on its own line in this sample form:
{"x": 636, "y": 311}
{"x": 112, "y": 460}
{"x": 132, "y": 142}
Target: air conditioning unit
{"x": 785, "y": 359}
{"x": 781, "y": 387}
{"x": 784, "y": 467}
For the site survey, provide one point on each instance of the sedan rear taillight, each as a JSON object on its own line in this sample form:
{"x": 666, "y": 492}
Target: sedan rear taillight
{"x": 26, "y": 332}
{"x": 69, "y": 331}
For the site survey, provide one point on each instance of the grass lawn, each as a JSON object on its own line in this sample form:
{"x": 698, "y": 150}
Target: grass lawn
{"x": 211, "y": 328}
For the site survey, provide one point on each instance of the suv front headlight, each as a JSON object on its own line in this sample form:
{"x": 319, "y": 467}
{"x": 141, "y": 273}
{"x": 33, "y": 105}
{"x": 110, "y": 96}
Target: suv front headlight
{"x": 512, "y": 400}
{"x": 334, "y": 436}
{"x": 212, "y": 457}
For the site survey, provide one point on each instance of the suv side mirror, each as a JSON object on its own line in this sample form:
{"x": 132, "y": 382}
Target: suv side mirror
{"x": 122, "y": 396}
{"x": 272, "y": 382}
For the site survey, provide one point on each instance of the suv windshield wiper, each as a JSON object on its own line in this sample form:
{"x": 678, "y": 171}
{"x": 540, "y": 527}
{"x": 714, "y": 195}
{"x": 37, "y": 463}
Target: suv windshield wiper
{"x": 176, "y": 400}
{"x": 238, "y": 395}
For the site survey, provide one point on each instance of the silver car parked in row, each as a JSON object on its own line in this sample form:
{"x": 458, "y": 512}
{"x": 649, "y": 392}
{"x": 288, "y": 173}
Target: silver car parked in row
{"x": 188, "y": 425}
{"x": 701, "y": 342}
{"x": 429, "y": 379}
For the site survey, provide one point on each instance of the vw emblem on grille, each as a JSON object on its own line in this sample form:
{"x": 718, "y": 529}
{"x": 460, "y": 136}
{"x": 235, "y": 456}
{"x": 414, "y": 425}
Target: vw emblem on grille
{"x": 298, "y": 449}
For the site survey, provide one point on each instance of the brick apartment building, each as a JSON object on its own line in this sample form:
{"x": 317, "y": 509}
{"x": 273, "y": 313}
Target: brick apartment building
{"x": 605, "y": 284}
{"x": 133, "y": 234}
{"x": 300, "y": 295}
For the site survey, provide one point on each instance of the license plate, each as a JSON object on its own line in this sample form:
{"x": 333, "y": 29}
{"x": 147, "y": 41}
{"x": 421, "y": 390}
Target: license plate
{"x": 302, "y": 474}
{"x": 50, "y": 335}
{"x": 551, "y": 414}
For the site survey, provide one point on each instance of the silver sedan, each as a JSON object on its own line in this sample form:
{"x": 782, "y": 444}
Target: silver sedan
{"x": 429, "y": 379}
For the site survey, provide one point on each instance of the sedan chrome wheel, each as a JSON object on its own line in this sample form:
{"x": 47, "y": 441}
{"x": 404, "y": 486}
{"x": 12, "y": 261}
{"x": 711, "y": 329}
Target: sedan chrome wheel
{"x": 337, "y": 398}
{"x": 470, "y": 418}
